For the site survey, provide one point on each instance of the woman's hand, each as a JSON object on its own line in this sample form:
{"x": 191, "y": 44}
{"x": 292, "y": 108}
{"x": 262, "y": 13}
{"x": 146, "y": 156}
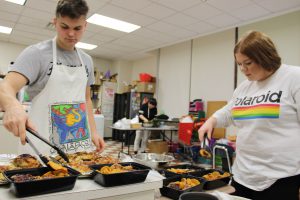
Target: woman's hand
{"x": 98, "y": 142}
{"x": 207, "y": 127}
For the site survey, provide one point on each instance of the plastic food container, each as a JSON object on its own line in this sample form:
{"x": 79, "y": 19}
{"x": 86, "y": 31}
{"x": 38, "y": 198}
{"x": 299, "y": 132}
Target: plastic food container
{"x": 195, "y": 169}
{"x": 42, "y": 186}
{"x": 139, "y": 174}
{"x": 213, "y": 184}
{"x": 173, "y": 193}
{"x": 197, "y": 195}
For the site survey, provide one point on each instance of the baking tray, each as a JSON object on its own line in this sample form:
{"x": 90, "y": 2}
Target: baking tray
{"x": 173, "y": 193}
{"x": 107, "y": 180}
{"x": 182, "y": 166}
{"x": 42, "y": 186}
{"x": 211, "y": 185}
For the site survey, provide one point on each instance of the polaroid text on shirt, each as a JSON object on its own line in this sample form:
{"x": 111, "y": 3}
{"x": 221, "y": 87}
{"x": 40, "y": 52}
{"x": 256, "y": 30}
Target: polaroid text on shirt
{"x": 273, "y": 97}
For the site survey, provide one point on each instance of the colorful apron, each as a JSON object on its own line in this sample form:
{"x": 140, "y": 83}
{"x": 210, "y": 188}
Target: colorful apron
{"x": 59, "y": 110}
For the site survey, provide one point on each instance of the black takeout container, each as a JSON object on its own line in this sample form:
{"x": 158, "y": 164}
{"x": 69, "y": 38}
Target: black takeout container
{"x": 42, "y": 186}
{"x": 139, "y": 174}
{"x": 213, "y": 184}
{"x": 183, "y": 166}
{"x": 173, "y": 193}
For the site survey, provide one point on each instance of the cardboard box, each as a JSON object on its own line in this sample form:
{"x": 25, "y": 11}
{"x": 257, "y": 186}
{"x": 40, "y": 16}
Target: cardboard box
{"x": 145, "y": 87}
{"x": 158, "y": 146}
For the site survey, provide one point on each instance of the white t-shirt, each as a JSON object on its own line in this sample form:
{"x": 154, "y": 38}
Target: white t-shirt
{"x": 267, "y": 115}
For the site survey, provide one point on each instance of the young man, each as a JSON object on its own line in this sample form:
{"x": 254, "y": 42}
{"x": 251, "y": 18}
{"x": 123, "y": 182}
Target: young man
{"x": 58, "y": 77}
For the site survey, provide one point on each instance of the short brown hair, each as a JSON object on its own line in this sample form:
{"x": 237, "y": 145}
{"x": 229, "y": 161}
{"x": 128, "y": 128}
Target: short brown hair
{"x": 72, "y": 8}
{"x": 259, "y": 48}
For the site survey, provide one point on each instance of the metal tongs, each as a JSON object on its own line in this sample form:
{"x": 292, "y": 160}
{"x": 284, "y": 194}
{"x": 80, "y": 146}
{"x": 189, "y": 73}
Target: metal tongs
{"x": 36, "y": 134}
{"x": 205, "y": 147}
{"x": 43, "y": 158}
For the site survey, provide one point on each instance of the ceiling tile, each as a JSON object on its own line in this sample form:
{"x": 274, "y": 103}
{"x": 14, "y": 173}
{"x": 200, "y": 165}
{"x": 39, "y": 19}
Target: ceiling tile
{"x": 278, "y": 5}
{"x": 223, "y": 20}
{"x": 10, "y": 7}
{"x": 156, "y": 11}
{"x": 34, "y": 30}
{"x": 133, "y": 5}
{"x": 162, "y": 27}
{"x": 246, "y": 13}
{"x": 9, "y": 16}
{"x": 229, "y": 5}
{"x": 182, "y": 33}
{"x": 181, "y": 19}
{"x": 4, "y": 22}
{"x": 178, "y": 4}
{"x": 139, "y": 19}
{"x": 201, "y": 27}
{"x": 42, "y": 5}
{"x": 202, "y": 11}
{"x": 37, "y": 14}
{"x": 33, "y": 22}
{"x": 113, "y": 11}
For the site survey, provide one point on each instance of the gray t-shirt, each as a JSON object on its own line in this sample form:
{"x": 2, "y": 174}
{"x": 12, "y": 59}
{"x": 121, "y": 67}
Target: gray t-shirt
{"x": 36, "y": 63}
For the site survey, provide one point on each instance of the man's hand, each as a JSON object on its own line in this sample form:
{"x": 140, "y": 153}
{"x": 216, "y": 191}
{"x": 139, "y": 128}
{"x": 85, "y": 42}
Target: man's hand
{"x": 98, "y": 142}
{"x": 15, "y": 120}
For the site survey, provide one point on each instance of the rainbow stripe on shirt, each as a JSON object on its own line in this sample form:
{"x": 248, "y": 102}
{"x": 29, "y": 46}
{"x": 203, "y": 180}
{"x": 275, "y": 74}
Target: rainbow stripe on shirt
{"x": 256, "y": 112}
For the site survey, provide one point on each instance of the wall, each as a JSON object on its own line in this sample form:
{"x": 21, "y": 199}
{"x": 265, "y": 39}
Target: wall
{"x": 285, "y": 33}
{"x": 173, "y": 80}
{"x": 8, "y": 53}
{"x": 148, "y": 65}
{"x": 212, "y": 76}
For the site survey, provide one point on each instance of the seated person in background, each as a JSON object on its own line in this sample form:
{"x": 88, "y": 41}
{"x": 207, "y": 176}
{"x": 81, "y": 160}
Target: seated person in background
{"x": 146, "y": 113}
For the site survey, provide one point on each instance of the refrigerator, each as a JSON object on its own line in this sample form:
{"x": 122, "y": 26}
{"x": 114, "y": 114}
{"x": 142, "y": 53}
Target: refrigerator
{"x": 127, "y": 105}
{"x": 107, "y": 97}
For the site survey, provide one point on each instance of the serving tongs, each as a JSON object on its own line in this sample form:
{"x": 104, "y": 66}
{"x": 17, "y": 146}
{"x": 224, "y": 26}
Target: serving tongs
{"x": 43, "y": 158}
{"x": 205, "y": 150}
{"x": 58, "y": 150}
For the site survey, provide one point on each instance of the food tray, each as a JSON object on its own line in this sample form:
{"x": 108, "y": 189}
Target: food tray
{"x": 42, "y": 186}
{"x": 107, "y": 180}
{"x": 213, "y": 184}
{"x": 183, "y": 166}
{"x": 173, "y": 193}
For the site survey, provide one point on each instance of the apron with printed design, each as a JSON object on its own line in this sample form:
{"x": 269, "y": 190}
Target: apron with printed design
{"x": 59, "y": 111}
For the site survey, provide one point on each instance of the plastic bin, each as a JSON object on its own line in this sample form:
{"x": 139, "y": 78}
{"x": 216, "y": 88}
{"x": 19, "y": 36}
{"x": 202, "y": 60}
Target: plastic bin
{"x": 144, "y": 77}
{"x": 185, "y": 132}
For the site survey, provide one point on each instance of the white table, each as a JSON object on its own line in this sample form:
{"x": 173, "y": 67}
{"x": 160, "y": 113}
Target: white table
{"x": 130, "y": 131}
{"x": 87, "y": 189}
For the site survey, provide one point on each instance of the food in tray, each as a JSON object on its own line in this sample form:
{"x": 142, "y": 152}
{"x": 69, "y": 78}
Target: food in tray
{"x": 5, "y": 168}
{"x": 204, "y": 153}
{"x": 184, "y": 184}
{"x": 88, "y": 158}
{"x": 215, "y": 175}
{"x": 26, "y": 161}
{"x": 180, "y": 171}
{"x": 29, "y": 177}
{"x": 115, "y": 168}
{"x": 80, "y": 167}
{"x": 57, "y": 166}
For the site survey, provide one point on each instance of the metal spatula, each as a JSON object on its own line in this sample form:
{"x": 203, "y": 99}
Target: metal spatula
{"x": 59, "y": 151}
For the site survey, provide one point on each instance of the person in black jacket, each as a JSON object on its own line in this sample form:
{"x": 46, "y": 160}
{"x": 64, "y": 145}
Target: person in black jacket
{"x": 146, "y": 113}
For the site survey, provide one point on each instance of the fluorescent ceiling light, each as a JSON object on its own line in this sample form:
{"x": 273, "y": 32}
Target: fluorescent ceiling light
{"x": 112, "y": 23}
{"x": 6, "y": 30}
{"x": 20, "y": 2}
{"x": 85, "y": 46}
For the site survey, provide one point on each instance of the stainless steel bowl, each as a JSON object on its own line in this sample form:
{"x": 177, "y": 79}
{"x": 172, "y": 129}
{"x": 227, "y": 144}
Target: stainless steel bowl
{"x": 152, "y": 160}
